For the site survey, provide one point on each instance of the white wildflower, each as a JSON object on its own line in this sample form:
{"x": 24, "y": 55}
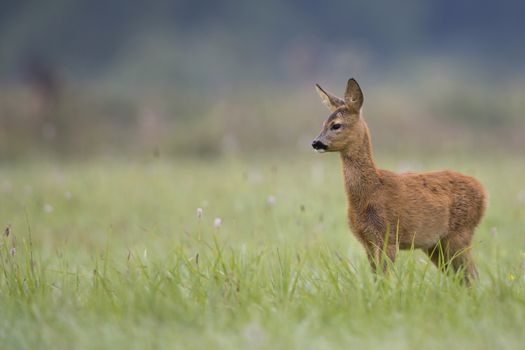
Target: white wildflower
{"x": 254, "y": 334}
{"x": 48, "y": 208}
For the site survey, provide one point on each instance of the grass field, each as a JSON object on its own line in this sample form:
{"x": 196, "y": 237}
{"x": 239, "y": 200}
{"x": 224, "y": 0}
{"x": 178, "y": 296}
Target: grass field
{"x": 105, "y": 254}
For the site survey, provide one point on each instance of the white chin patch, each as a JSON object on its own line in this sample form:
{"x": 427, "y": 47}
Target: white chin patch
{"x": 320, "y": 150}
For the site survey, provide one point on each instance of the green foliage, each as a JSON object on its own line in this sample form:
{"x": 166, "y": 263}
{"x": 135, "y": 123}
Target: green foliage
{"x": 114, "y": 255}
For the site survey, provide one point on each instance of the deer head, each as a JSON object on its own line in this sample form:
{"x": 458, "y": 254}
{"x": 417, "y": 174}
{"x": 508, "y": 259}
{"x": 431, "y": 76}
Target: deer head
{"x": 344, "y": 129}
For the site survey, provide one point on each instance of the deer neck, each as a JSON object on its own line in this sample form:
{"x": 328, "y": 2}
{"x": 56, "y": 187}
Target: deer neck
{"x": 360, "y": 173}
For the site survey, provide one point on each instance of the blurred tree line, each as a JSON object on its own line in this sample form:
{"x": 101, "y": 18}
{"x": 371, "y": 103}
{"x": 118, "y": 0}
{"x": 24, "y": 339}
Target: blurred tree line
{"x": 88, "y": 74}
{"x": 88, "y": 38}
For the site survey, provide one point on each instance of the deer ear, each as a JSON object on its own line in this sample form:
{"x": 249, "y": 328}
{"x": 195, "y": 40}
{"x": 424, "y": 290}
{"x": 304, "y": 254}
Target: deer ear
{"x": 329, "y": 100}
{"x": 353, "y": 95}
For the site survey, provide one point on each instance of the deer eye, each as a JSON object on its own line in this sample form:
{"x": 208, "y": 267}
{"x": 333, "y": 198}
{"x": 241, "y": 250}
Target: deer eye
{"x": 336, "y": 126}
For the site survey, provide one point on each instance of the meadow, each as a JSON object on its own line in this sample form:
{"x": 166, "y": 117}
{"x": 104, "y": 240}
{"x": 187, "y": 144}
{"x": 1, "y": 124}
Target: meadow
{"x": 115, "y": 254}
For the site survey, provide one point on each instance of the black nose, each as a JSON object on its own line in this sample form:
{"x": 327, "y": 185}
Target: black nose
{"x": 316, "y": 144}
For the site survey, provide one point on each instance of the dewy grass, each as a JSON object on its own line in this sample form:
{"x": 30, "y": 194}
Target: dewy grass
{"x": 125, "y": 262}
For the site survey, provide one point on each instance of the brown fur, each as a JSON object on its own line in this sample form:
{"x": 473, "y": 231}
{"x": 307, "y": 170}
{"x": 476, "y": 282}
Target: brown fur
{"x": 436, "y": 211}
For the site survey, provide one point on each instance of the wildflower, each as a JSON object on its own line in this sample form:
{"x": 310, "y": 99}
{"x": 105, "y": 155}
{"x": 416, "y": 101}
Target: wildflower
{"x": 7, "y": 231}
{"x": 217, "y": 222}
{"x": 48, "y": 208}
{"x": 270, "y": 200}
{"x": 254, "y": 334}
{"x": 12, "y": 251}
{"x": 199, "y": 213}
{"x": 511, "y": 277}
{"x": 523, "y": 254}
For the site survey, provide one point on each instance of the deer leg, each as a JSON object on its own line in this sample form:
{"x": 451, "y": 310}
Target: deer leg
{"x": 372, "y": 255}
{"x": 454, "y": 250}
{"x": 461, "y": 257}
{"x": 437, "y": 256}
{"x": 465, "y": 263}
{"x": 378, "y": 255}
{"x": 388, "y": 255}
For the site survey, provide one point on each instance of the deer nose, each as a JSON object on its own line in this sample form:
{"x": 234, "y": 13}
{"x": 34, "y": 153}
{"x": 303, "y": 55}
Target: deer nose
{"x": 316, "y": 144}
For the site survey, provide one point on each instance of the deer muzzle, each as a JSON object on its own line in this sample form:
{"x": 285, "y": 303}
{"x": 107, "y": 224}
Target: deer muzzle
{"x": 319, "y": 146}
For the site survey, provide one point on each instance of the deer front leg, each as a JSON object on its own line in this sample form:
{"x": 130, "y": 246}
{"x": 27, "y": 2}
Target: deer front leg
{"x": 379, "y": 255}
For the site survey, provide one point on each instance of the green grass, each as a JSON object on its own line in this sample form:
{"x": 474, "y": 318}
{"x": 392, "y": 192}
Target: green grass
{"x": 112, "y": 255}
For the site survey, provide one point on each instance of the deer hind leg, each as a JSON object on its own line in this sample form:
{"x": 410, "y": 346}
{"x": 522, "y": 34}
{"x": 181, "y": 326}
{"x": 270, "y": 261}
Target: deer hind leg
{"x": 454, "y": 251}
{"x": 437, "y": 256}
{"x": 461, "y": 255}
{"x": 465, "y": 263}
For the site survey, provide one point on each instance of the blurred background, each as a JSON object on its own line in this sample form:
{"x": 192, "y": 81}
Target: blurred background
{"x": 203, "y": 79}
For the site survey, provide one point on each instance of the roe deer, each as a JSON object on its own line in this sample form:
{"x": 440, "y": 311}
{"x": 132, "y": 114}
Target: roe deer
{"x": 436, "y": 211}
